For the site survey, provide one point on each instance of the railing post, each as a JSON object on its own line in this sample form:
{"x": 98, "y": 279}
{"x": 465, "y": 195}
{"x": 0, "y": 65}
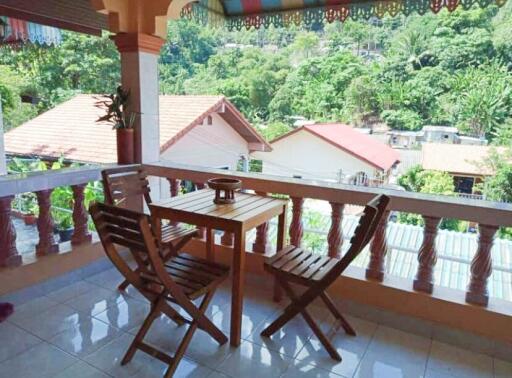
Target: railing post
{"x": 378, "y": 251}
{"x": 9, "y": 256}
{"x": 201, "y": 230}
{"x": 261, "y": 244}
{"x": 335, "y": 236}
{"x": 427, "y": 256}
{"x": 47, "y": 243}
{"x": 481, "y": 267}
{"x": 174, "y": 185}
{"x": 81, "y": 234}
{"x": 296, "y": 226}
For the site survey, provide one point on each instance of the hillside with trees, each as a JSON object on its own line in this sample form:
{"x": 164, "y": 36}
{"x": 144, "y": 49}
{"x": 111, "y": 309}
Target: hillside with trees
{"x": 450, "y": 69}
{"x": 447, "y": 69}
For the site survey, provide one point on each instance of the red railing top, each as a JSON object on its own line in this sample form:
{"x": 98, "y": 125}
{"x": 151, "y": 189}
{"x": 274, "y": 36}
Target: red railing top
{"x": 43, "y": 180}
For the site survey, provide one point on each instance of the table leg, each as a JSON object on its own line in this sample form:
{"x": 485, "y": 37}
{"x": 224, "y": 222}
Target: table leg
{"x": 281, "y": 241}
{"x": 237, "y": 292}
{"x": 210, "y": 244}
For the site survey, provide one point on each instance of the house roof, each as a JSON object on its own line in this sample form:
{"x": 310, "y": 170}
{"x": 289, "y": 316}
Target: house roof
{"x": 456, "y": 158}
{"x": 70, "y": 129}
{"x": 349, "y": 140}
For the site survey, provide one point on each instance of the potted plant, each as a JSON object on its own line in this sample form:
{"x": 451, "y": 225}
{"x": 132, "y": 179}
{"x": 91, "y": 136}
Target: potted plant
{"x": 29, "y": 208}
{"x": 64, "y": 225}
{"x": 29, "y": 94}
{"x": 122, "y": 121}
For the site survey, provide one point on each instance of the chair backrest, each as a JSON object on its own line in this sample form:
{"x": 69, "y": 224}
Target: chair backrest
{"x": 370, "y": 218}
{"x": 118, "y": 227}
{"x": 126, "y": 186}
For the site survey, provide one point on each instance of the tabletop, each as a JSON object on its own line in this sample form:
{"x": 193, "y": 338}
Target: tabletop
{"x": 248, "y": 211}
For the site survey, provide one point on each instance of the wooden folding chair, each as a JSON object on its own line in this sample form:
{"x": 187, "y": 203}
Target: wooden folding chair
{"x": 125, "y": 187}
{"x": 317, "y": 273}
{"x": 180, "y": 280}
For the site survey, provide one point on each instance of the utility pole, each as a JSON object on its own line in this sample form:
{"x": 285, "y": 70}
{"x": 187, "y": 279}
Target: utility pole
{"x": 340, "y": 176}
{"x": 245, "y": 163}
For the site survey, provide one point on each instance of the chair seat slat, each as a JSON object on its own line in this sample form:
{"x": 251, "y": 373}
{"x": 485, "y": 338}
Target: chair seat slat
{"x": 292, "y": 264}
{"x": 314, "y": 267}
{"x": 324, "y": 269}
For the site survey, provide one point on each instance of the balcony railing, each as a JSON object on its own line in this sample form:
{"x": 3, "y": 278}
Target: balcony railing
{"x": 42, "y": 184}
{"x": 489, "y": 216}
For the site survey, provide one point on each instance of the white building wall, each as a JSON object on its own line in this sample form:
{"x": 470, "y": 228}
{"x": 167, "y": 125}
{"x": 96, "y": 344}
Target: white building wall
{"x": 215, "y": 146}
{"x": 304, "y": 154}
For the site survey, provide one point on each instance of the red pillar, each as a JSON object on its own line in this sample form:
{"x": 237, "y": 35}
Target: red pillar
{"x": 47, "y": 243}
{"x": 261, "y": 244}
{"x": 296, "y": 226}
{"x": 378, "y": 251}
{"x": 335, "y": 236}
{"x": 481, "y": 267}
{"x": 9, "y": 256}
{"x": 81, "y": 234}
{"x": 427, "y": 256}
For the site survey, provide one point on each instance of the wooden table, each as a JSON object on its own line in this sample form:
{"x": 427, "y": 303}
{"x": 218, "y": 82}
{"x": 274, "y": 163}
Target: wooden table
{"x": 248, "y": 212}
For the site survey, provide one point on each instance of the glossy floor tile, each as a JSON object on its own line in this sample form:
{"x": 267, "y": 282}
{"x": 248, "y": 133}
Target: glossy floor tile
{"x": 15, "y": 340}
{"x": 41, "y": 361}
{"x": 448, "y": 360}
{"x": 83, "y": 330}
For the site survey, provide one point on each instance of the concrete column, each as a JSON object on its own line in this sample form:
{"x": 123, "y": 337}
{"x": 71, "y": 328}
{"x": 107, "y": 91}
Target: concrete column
{"x": 139, "y": 74}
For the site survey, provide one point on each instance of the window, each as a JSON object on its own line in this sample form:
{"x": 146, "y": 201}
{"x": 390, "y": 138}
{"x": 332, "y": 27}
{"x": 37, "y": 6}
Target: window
{"x": 360, "y": 178}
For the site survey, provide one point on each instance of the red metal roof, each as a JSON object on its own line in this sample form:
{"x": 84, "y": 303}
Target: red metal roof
{"x": 360, "y": 145}
{"x": 70, "y": 129}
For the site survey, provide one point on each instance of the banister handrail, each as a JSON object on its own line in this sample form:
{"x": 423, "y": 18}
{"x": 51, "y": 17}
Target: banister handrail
{"x": 480, "y": 211}
{"x": 44, "y": 180}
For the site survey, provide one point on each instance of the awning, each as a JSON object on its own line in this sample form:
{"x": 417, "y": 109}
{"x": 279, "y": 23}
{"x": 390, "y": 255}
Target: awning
{"x": 246, "y": 14}
{"x": 20, "y": 31}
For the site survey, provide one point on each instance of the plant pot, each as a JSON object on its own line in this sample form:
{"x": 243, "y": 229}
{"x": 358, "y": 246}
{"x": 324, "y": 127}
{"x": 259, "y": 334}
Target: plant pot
{"x": 125, "y": 146}
{"x": 29, "y": 99}
{"x": 65, "y": 235}
{"x": 29, "y": 219}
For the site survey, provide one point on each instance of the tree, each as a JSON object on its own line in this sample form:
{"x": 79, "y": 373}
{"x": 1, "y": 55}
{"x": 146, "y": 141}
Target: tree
{"x": 316, "y": 89}
{"x": 362, "y": 99}
{"x": 403, "y": 119}
{"x": 273, "y": 130}
{"x": 416, "y": 179}
{"x": 482, "y": 99}
{"x": 498, "y": 187}
{"x": 305, "y": 43}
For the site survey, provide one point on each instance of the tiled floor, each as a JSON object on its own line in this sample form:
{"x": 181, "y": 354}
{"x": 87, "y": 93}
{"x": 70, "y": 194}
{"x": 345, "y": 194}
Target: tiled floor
{"x": 84, "y": 329}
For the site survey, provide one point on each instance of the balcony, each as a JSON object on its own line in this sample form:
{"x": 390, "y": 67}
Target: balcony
{"x": 413, "y": 309}
{"x": 83, "y": 330}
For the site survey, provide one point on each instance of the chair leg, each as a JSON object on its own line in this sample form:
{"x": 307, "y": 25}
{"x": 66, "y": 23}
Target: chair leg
{"x": 312, "y": 324}
{"x": 288, "y": 314}
{"x": 173, "y": 314}
{"x": 123, "y": 285}
{"x": 332, "y": 307}
{"x": 278, "y": 293}
{"x": 146, "y": 325}
{"x": 188, "y": 337}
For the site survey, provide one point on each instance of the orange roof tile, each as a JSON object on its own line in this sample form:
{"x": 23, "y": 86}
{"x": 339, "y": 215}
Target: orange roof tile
{"x": 70, "y": 129}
